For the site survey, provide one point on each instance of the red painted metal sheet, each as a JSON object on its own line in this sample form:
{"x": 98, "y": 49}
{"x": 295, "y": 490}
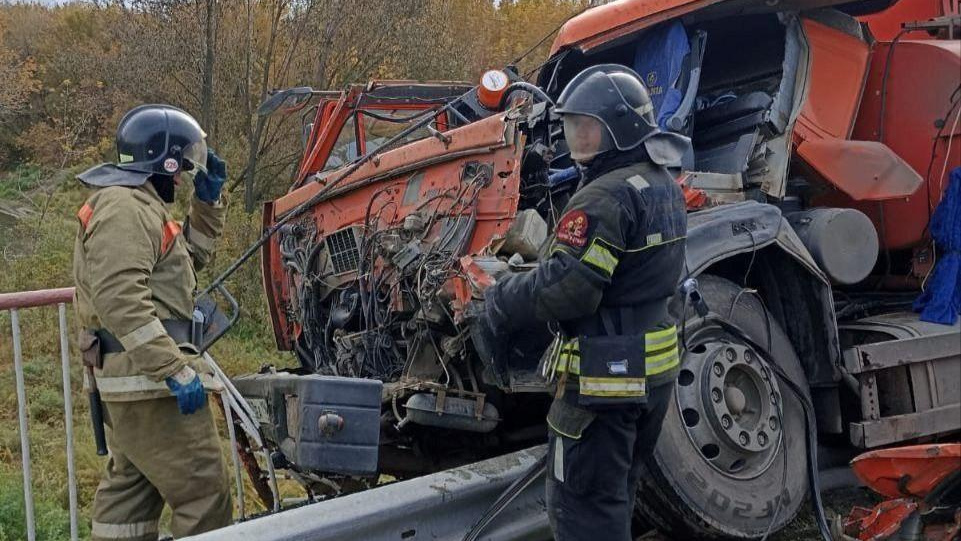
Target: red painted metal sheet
{"x": 31, "y": 299}
{"x": 880, "y": 522}
{"x": 839, "y": 65}
{"x": 921, "y": 80}
{"x": 907, "y": 471}
{"x": 863, "y": 170}
{"x": 480, "y": 136}
{"x": 612, "y": 20}
{"x": 886, "y": 24}
{"x": 275, "y": 284}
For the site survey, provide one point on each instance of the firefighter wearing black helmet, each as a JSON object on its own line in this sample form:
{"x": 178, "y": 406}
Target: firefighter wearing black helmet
{"x": 613, "y": 264}
{"x": 134, "y": 269}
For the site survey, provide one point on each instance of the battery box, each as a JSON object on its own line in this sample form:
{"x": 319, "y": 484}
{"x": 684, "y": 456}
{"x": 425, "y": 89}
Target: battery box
{"x": 320, "y": 423}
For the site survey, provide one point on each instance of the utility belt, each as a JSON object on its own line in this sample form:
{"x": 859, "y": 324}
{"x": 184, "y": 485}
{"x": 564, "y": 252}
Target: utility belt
{"x": 617, "y": 368}
{"x": 180, "y": 330}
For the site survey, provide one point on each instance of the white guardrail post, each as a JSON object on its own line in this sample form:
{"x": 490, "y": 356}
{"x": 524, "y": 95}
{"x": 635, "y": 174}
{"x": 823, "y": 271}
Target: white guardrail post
{"x": 14, "y": 302}
{"x": 22, "y": 419}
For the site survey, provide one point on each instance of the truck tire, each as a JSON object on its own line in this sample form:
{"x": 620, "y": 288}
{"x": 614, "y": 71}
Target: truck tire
{"x": 725, "y": 453}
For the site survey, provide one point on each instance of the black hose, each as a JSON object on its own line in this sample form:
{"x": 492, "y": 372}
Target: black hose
{"x": 522, "y": 85}
{"x": 809, "y": 421}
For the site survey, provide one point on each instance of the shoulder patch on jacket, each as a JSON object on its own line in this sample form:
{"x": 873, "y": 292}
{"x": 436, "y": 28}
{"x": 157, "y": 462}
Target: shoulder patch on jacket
{"x": 639, "y": 182}
{"x": 84, "y": 215}
{"x": 572, "y": 228}
{"x": 171, "y": 230}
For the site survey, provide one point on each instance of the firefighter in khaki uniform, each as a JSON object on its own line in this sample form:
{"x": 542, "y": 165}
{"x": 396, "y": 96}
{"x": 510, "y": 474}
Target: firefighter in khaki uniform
{"x": 134, "y": 269}
{"x": 614, "y": 263}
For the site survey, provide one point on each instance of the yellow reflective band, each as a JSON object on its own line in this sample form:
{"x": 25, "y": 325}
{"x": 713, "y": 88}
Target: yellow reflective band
{"x": 600, "y": 257}
{"x": 661, "y": 335}
{"x": 125, "y": 530}
{"x": 569, "y": 363}
{"x": 143, "y": 334}
{"x": 612, "y": 386}
{"x": 654, "y": 347}
{"x": 140, "y": 384}
{"x": 657, "y": 364}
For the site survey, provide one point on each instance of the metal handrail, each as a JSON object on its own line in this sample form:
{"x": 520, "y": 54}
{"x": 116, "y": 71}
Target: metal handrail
{"x": 14, "y": 302}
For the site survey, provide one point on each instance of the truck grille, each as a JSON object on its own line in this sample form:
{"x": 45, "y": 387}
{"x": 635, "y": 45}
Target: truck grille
{"x": 342, "y": 247}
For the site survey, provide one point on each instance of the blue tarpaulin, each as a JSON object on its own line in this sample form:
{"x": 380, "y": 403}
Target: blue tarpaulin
{"x": 941, "y": 300}
{"x": 658, "y": 59}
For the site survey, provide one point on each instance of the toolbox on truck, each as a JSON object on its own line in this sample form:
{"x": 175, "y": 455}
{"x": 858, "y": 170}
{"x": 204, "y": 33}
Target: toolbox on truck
{"x": 321, "y": 423}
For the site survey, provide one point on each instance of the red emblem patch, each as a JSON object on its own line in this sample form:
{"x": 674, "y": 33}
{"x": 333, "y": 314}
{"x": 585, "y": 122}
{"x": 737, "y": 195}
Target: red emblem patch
{"x": 572, "y": 229}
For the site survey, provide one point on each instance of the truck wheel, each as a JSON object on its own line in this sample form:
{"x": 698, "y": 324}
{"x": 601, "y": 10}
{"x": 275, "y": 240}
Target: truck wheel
{"x": 726, "y": 454}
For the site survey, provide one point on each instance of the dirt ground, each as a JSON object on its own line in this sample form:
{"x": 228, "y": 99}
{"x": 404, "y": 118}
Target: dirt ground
{"x": 803, "y": 528}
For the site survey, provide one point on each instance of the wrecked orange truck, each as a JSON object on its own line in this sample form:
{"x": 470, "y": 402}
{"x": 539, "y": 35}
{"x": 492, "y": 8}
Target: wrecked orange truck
{"x": 822, "y": 131}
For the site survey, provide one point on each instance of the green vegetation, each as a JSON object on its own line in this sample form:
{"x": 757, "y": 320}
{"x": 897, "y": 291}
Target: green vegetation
{"x": 19, "y": 181}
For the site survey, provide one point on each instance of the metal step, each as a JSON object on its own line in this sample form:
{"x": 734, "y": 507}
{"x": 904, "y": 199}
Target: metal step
{"x": 908, "y": 373}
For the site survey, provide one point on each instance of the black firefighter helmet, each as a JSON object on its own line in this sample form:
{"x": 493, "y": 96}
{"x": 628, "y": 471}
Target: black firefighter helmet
{"x": 152, "y": 140}
{"x": 614, "y": 97}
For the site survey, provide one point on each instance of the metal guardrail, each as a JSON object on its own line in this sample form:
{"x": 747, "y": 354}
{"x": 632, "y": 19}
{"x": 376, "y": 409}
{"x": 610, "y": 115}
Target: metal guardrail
{"x": 14, "y": 302}
{"x": 440, "y": 506}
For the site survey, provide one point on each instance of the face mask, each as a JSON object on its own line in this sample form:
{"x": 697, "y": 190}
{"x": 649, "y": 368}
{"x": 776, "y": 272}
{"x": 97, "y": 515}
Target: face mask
{"x": 165, "y": 187}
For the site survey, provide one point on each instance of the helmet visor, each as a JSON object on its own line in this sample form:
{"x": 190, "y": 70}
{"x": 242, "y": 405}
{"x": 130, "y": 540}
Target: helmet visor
{"x": 196, "y": 155}
{"x": 586, "y": 137}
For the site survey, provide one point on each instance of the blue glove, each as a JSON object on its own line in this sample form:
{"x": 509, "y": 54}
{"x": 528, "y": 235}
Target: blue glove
{"x": 208, "y": 185}
{"x": 188, "y": 389}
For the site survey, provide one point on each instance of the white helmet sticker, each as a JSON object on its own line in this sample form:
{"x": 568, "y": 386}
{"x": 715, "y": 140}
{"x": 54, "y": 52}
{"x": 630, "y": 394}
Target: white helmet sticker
{"x": 171, "y": 165}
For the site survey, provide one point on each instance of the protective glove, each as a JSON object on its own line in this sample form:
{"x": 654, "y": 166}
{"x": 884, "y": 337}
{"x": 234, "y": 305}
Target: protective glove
{"x": 208, "y": 185}
{"x": 188, "y": 389}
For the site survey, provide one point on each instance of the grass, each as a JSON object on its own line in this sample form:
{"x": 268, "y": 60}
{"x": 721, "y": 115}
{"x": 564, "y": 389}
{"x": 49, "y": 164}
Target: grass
{"x": 21, "y": 180}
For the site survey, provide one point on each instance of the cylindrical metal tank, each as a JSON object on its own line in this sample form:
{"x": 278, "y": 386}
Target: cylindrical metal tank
{"x": 843, "y": 242}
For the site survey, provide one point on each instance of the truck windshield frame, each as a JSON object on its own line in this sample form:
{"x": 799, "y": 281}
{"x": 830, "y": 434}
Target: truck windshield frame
{"x": 367, "y": 129}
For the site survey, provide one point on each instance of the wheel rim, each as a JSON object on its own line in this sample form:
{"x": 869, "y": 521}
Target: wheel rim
{"x": 727, "y": 397}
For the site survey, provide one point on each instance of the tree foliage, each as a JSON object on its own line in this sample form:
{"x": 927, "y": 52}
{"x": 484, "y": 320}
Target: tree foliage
{"x": 69, "y": 72}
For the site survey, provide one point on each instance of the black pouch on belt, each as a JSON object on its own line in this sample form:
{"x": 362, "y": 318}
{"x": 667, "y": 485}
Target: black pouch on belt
{"x": 612, "y": 370}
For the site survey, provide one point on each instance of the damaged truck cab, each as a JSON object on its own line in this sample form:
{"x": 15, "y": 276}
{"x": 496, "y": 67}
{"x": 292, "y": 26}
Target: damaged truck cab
{"x": 809, "y": 188}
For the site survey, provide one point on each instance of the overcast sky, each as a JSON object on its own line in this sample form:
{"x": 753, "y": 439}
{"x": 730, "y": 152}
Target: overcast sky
{"x": 46, "y": 2}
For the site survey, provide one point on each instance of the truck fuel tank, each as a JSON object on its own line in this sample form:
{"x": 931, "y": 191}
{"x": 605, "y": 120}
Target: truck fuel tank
{"x": 843, "y": 242}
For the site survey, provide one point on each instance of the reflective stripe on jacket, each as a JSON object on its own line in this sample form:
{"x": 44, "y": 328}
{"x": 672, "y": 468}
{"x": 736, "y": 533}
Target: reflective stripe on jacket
{"x": 661, "y": 362}
{"x": 134, "y": 265}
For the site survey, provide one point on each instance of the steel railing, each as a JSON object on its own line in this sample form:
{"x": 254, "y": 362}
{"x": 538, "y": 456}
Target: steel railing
{"x": 14, "y": 302}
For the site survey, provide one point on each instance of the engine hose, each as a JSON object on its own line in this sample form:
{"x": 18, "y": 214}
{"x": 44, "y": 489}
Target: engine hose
{"x": 809, "y": 421}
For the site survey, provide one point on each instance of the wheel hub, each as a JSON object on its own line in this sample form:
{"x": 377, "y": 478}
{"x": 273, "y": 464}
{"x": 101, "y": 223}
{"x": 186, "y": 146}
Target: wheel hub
{"x": 728, "y": 399}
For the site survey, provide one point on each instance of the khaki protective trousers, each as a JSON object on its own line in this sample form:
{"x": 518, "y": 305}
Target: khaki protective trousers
{"x": 158, "y": 455}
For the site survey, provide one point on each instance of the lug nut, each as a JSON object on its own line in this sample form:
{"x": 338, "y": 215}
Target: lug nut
{"x": 744, "y": 438}
{"x": 772, "y": 422}
{"x": 761, "y": 439}
{"x": 730, "y": 354}
{"x": 749, "y": 356}
{"x": 726, "y": 422}
{"x": 718, "y": 369}
{"x": 716, "y": 394}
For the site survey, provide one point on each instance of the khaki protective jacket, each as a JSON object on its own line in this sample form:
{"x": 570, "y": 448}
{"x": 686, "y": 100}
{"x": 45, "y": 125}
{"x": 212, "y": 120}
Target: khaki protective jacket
{"x": 134, "y": 266}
